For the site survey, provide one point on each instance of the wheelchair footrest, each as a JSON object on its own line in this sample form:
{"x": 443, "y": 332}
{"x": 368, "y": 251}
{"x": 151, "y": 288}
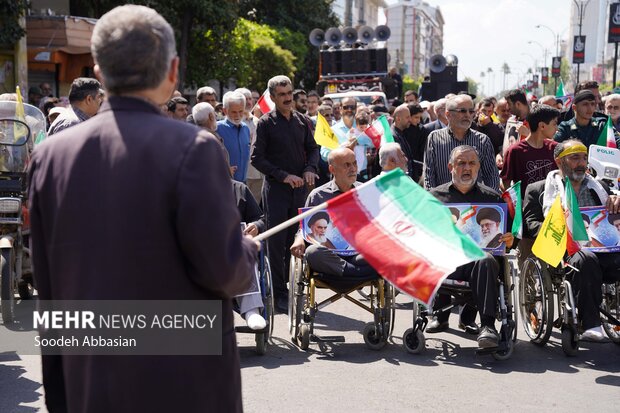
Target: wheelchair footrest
{"x": 326, "y": 339}
{"x": 248, "y": 330}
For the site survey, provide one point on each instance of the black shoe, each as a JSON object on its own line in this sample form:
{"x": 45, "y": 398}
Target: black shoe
{"x": 436, "y": 327}
{"x": 281, "y": 304}
{"x": 470, "y": 328}
{"x": 488, "y": 337}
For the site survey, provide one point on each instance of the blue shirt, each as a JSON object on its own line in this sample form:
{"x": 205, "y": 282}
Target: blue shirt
{"x": 237, "y": 142}
{"x": 342, "y": 133}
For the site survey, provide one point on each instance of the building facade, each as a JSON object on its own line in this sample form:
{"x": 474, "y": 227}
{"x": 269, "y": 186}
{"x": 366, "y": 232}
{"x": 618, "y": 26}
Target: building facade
{"x": 417, "y": 35}
{"x": 356, "y": 13}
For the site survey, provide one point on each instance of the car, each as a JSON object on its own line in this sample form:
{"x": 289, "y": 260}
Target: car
{"x": 362, "y": 97}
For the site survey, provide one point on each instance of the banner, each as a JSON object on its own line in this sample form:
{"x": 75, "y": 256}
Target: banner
{"x": 555, "y": 66}
{"x": 613, "y": 36}
{"x": 603, "y": 229}
{"x": 544, "y": 75}
{"x": 579, "y": 49}
{"x": 484, "y": 223}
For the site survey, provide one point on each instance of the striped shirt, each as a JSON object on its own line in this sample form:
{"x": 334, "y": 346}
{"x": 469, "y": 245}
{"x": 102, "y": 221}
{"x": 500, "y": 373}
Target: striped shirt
{"x": 440, "y": 144}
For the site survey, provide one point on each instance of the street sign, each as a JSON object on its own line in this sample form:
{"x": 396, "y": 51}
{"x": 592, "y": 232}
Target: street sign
{"x": 555, "y": 66}
{"x": 613, "y": 35}
{"x": 544, "y": 75}
{"x": 579, "y": 49}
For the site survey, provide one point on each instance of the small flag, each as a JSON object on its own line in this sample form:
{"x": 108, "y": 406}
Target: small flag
{"x": 550, "y": 244}
{"x": 560, "y": 92}
{"x": 468, "y": 214}
{"x": 404, "y": 232}
{"x": 607, "y": 136}
{"x": 323, "y": 134}
{"x": 512, "y": 196}
{"x": 265, "y": 103}
{"x": 574, "y": 222}
{"x": 19, "y": 130}
{"x": 598, "y": 217}
{"x": 379, "y": 132}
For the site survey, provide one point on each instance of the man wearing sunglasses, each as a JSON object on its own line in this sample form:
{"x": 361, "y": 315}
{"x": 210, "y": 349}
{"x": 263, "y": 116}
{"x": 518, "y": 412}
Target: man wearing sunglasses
{"x": 460, "y": 113}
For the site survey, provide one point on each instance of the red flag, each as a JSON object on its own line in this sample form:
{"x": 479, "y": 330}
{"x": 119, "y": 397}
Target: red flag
{"x": 265, "y": 103}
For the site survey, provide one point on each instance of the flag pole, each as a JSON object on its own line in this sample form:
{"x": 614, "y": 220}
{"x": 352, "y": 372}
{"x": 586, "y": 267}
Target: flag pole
{"x": 288, "y": 223}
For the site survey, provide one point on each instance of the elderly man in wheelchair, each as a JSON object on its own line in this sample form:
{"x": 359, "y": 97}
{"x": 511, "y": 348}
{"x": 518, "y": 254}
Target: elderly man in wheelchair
{"x": 585, "y": 271}
{"x": 318, "y": 265}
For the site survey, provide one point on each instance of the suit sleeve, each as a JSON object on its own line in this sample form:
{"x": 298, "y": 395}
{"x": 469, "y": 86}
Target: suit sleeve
{"x": 219, "y": 258}
{"x": 312, "y": 150}
{"x": 259, "y": 159}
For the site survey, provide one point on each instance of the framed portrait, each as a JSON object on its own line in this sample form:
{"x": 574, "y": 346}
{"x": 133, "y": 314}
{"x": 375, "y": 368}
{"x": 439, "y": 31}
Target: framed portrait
{"x": 603, "y": 229}
{"x": 511, "y": 135}
{"x": 319, "y": 229}
{"x": 484, "y": 223}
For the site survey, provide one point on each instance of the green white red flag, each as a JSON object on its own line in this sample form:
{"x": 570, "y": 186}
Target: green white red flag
{"x": 468, "y": 214}
{"x": 404, "y": 232}
{"x": 574, "y": 222}
{"x": 607, "y": 136}
{"x": 379, "y": 132}
{"x": 512, "y": 196}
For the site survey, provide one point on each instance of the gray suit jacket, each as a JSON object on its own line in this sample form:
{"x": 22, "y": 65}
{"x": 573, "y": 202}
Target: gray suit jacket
{"x": 131, "y": 205}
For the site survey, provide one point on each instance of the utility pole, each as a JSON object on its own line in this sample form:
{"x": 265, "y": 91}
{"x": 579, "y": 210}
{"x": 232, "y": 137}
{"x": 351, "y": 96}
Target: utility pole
{"x": 581, "y": 8}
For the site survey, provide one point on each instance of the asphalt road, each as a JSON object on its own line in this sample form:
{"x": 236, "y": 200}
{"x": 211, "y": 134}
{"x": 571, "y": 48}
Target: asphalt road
{"x": 348, "y": 376}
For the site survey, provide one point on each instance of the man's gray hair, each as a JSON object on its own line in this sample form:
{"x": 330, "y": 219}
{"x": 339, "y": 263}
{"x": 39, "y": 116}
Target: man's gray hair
{"x": 201, "y": 112}
{"x": 275, "y": 81}
{"x": 441, "y": 103}
{"x": 244, "y": 91}
{"x": 613, "y": 96}
{"x": 205, "y": 90}
{"x": 462, "y": 149}
{"x": 134, "y": 47}
{"x": 387, "y": 151}
{"x": 454, "y": 101}
{"x": 233, "y": 97}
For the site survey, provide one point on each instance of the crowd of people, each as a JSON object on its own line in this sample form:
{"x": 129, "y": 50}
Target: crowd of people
{"x": 460, "y": 150}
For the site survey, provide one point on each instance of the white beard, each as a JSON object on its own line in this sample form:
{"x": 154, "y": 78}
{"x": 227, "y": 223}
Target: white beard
{"x": 487, "y": 238}
{"x": 321, "y": 239}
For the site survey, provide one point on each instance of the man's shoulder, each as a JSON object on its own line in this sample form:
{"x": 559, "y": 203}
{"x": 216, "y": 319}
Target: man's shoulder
{"x": 488, "y": 191}
{"x": 441, "y": 189}
{"x": 535, "y": 187}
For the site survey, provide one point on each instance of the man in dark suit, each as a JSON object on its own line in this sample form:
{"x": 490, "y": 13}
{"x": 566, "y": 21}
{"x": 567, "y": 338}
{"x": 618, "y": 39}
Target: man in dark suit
{"x": 131, "y": 205}
{"x": 441, "y": 121}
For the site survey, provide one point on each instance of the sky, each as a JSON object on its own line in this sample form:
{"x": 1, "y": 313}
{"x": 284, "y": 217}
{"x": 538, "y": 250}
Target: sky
{"x": 487, "y": 33}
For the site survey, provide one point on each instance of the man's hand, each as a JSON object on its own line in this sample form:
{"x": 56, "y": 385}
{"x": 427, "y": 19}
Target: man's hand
{"x": 233, "y": 169}
{"x": 294, "y": 181}
{"x": 484, "y": 120}
{"x": 524, "y": 130}
{"x": 251, "y": 230}
{"x": 613, "y": 204}
{"x": 508, "y": 238}
{"x": 351, "y": 143}
{"x": 310, "y": 177}
{"x": 298, "y": 248}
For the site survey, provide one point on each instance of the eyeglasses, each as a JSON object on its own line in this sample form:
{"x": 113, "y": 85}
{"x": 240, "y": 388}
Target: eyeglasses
{"x": 463, "y": 111}
{"x": 327, "y": 115}
{"x": 612, "y": 107}
{"x": 349, "y": 107}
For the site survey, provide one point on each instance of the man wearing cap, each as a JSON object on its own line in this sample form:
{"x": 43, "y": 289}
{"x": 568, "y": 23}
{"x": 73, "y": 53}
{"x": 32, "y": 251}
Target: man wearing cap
{"x": 584, "y": 126}
{"x": 489, "y": 220}
{"x": 571, "y": 157}
{"x": 463, "y": 188}
{"x": 318, "y": 224}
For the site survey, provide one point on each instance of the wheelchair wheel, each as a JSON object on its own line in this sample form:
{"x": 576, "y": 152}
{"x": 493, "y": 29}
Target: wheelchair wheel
{"x": 373, "y": 337}
{"x": 268, "y": 299}
{"x": 535, "y": 306}
{"x": 304, "y": 336}
{"x": 570, "y": 341}
{"x": 414, "y": 342}
{"x": 390, "y": 308}
{"x": 261, "y": 343}
{"x": 611, "y": 307}
{"x": 294, "y": 310}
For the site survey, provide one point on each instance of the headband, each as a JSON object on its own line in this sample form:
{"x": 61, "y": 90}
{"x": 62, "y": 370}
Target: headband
{"x": 579, "y": 148}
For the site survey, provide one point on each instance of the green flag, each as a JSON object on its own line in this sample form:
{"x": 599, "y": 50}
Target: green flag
{"x": 560, "y": 92}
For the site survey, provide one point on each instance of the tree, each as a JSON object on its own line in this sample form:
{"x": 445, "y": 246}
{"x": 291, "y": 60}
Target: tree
{"x": 472, "y": 86}
{"x": 506, "y": 71}
{"x": 10, "y": 29}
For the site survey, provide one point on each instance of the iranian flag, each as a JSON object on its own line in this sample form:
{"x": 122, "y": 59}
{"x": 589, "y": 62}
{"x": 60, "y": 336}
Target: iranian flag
{"x": 265, "y": 103}
{"x": 468, "y": 214}
{"x": 379, "y": 132}
{"x": 574, "y": 221}
{"x": 512, "y": 196}
{"x": 404, "y": 232}
{"x": 598, "y": 217}
{"x": 607, "y": 136}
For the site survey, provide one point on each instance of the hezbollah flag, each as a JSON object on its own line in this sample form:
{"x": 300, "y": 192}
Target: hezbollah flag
{"x": 323, "y": 134}
{"x": 404, "y": 232}
{"x": 19, "y": 130}
{"x": 607, "y": 136}
{"x": 512, "y": 196}
{"x": 574, "y": 222}
{"x": 550, "y": 244}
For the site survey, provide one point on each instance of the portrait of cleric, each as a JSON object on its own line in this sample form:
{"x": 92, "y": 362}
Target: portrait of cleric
{"x": 484, "y": 223}
{"x": 603, "y": 229}
{"x": 318, "y": 229}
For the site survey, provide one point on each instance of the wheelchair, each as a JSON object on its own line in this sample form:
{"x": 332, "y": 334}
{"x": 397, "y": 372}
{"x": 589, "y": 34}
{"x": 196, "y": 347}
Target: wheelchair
{"x": 303, "y": 305}
{"x": 262, "y": 271}
{"x": 414, "y": 340}
{"x": 542, "y": 288}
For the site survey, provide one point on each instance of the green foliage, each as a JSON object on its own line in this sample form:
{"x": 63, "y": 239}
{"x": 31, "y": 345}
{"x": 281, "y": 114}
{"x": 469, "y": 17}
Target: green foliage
{"x": 410, "y": 83}
{"x": 472, "y": 86}
{"x": 10, "y": 29}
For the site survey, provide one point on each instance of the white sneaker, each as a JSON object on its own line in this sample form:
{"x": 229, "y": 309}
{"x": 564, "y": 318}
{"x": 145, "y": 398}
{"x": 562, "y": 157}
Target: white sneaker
{"x": 254, "y": 320}
{"x": 595, "y": 334}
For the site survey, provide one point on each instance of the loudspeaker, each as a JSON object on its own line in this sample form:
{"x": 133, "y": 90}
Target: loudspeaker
{"x": 382, "y": 33}
{"x": 349, "y": 35}
{"x": 333, "y": 36}
{"x": 452, "y": 60}
{"x": 362, "y": 60}
{"x": 347, "y": 61}
{"x": 448, "y": 75}
{"x": 437, "y": 90}
{"x": 365, "y": 34}
{"x": 437, "y": 63}
{"x": 378, "y": 60}
{"x": 317, "y": 37}
{"x": 328, "y": 62}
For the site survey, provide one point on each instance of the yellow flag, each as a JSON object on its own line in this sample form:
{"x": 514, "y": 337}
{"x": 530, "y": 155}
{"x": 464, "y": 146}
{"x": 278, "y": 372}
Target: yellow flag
{"x": 550, "y": 244}
{"x": 323, "y": 134}
{"x": 19, "y": 129}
